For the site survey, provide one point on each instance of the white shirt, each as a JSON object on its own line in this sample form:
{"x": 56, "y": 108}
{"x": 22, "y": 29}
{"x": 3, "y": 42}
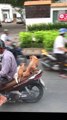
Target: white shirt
{"x": 5, "y": 37}
{"x": 59, "y": 42}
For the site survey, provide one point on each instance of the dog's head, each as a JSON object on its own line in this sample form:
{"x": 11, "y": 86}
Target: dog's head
{"x": 33, "y": 58}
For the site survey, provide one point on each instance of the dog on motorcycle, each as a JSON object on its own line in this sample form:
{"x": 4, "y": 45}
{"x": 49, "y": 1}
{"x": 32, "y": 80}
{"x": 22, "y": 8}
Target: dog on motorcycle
{"x": 23, "y": 71}
{"x": 32, "y": 66}
{"x": 19, "y": 74}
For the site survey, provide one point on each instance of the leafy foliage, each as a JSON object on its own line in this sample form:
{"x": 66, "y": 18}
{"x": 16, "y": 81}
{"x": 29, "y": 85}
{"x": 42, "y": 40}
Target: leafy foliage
{"x": 44, "y": 26}
{"x": 44, "y": 39}
{"x": 18, "y": 3}
{"x": 26, "y": 39}
{"x": 49, "y": 37}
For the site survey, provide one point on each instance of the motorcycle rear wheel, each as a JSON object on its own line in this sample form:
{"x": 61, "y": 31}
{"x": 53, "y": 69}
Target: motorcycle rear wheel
{"x": 34, "y": 89}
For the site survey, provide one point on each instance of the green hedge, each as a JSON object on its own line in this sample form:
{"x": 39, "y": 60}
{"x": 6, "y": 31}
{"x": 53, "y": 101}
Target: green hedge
{"x": 44, "y": 26}
{"x": 49, "y": 38}
{"x": 44, "y": 39}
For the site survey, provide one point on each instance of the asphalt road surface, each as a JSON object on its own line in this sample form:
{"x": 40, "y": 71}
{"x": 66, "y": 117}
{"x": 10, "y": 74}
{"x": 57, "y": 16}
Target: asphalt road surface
{"x": 55, "y": 92}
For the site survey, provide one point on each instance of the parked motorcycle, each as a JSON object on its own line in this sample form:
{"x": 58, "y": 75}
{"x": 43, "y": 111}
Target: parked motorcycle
{"x": 29, "y": 89}
{"x": 49, "y": 61}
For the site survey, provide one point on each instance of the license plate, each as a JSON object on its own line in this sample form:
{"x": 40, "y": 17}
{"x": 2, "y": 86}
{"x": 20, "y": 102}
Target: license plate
{"x": 42, "y": 82}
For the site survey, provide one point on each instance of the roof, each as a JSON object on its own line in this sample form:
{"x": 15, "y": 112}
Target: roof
{"x": 37, "y": 2}
{"x": 45, "y": 2}
{"x": 64, "y": 4}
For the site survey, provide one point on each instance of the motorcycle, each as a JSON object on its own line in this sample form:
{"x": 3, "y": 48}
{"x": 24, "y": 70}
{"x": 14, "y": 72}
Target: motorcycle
{"x": 49, "y": 61}
{"x": 29, "y": 89}
{"x": 17, "y": 52}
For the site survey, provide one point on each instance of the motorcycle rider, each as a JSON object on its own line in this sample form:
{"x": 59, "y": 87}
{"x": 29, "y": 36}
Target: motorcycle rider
{"x": 59, "y": 50}
{"x": 6, "y": 37}
{"x": 10, "y": 45}
{"x": 8, "y": 69}
{"x": 7, "y": 40}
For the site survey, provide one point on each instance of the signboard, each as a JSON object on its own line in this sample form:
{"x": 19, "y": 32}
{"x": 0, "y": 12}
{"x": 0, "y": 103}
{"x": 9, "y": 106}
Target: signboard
{"x": 62, "y": 17}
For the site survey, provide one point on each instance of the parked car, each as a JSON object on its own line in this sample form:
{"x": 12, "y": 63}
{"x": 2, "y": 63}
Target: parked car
{"x": 19, "y": 20}
{"x": 8, "y": 20}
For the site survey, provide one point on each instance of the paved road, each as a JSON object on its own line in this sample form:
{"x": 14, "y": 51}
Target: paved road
{"x": 55, "y": 93}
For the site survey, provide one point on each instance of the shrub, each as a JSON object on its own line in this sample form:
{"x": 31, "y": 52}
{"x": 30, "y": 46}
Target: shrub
{"x": 44, "y": 39}
{"x": 44, "y": 26}
{"x": 49, "y": 37}
{"x": 26, "y": 39}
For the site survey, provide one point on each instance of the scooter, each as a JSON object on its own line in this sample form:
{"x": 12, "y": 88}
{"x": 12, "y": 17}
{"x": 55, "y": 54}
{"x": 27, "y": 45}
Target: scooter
{"x": 29, "y": 89}
{"x": 49, "y": 61}
{"x": 17, "y": 52}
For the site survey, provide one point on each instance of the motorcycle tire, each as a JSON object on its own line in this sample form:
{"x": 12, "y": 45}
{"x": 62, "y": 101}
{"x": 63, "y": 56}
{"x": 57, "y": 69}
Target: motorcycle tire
{"x": 38, "y": 97}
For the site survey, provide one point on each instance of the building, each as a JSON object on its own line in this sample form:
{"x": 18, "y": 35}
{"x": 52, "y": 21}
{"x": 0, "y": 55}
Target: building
{"x": 45, "y": 11}
{"x": 6, "y": 12}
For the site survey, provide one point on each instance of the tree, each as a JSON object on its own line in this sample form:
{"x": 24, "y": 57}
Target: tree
{"x": 14, "y": 3}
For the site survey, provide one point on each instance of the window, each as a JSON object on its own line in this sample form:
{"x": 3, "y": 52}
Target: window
{"x": 56, "y": 15}
{"x": 37, "y": 11}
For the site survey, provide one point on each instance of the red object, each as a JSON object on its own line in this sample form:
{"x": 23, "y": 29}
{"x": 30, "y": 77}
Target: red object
{"x": 62, "y": 17}
{"x": 3, "y": 99}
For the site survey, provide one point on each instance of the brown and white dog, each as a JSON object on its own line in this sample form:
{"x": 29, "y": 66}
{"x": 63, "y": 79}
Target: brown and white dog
{"x": 32, "y": 65}
{"x": 22, "y": 71}
{"x": 19, "y": 74}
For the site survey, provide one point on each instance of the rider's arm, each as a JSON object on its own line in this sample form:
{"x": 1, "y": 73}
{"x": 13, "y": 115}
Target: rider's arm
{"x": 63, "y": 49}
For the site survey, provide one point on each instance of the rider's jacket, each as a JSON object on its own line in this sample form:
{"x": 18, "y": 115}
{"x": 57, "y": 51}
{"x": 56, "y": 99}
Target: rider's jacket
{"x": 9, "y": 65}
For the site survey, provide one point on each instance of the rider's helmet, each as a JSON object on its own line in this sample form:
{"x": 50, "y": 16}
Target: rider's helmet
{"x": 62, "y": 30}
{"x": 2, "y": 44}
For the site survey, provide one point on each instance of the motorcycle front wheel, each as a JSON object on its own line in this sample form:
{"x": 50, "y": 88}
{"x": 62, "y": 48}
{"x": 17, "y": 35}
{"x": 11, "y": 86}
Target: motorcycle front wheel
{"x": 35, "y": 92}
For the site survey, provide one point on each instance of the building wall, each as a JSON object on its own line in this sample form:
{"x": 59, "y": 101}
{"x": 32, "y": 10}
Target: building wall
{"x": 31, "y": 21}
{"x": 6, "y": 9}
{"x": 55, "y": 7}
